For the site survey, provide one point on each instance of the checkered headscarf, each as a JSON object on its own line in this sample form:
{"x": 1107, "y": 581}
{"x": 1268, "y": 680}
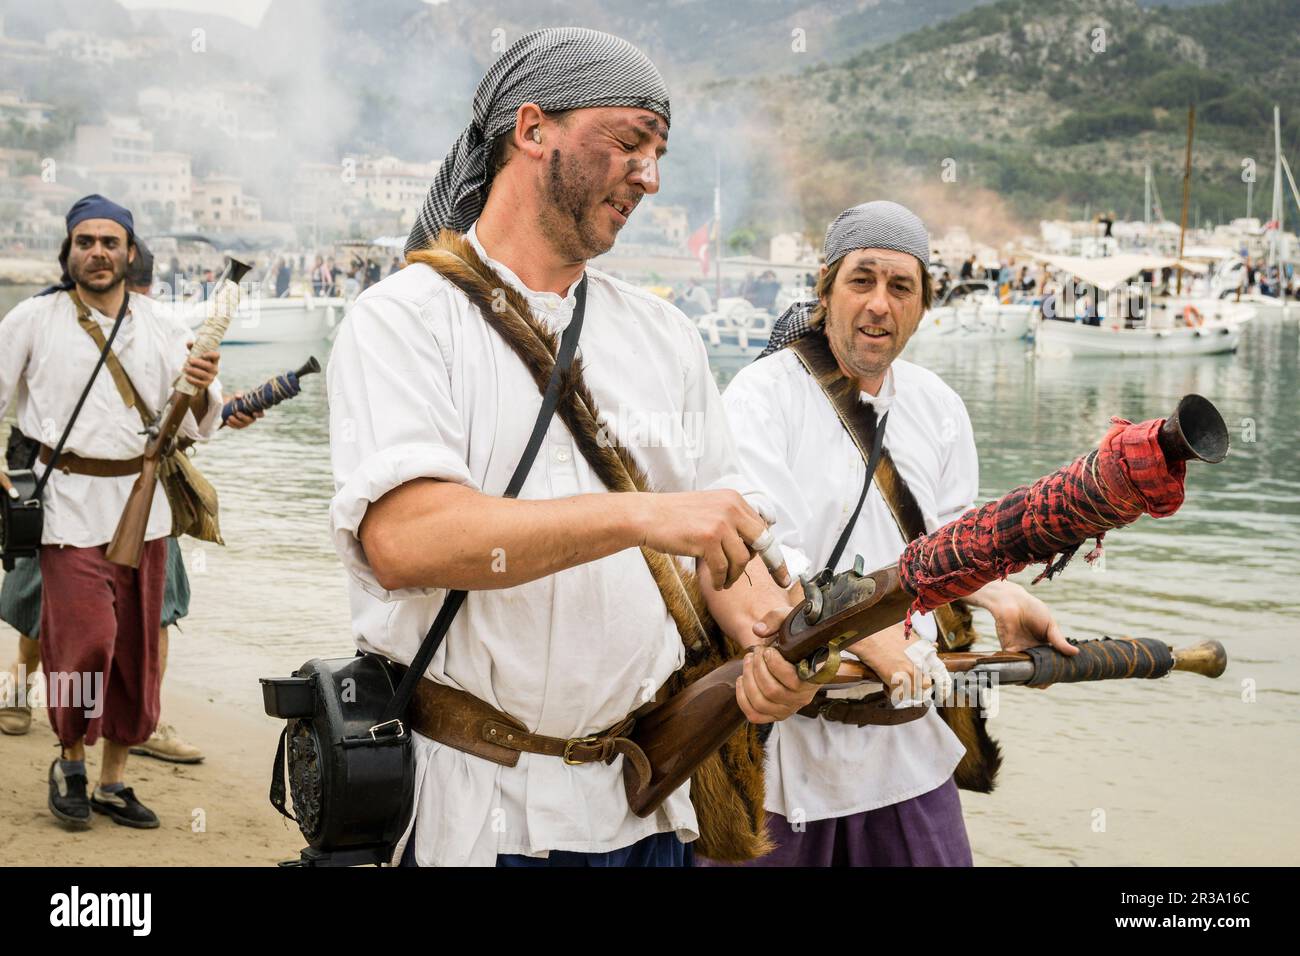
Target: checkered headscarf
{"x": 558, "y": 69}
{"x": 871, "y": 225}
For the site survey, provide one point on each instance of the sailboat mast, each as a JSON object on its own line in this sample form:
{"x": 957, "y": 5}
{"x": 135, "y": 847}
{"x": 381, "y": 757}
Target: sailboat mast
{"x": 1187, "y": 193}
{"x": 1146, "y": 200}
{"x": 1276, "y": 244}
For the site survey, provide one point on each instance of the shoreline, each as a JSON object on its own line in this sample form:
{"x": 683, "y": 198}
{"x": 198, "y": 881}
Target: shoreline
{"x": 215, "y": 813}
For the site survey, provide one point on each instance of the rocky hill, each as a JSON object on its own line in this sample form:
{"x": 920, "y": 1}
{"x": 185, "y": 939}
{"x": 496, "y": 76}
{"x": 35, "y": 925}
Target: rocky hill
{"x": 1036, "y": 107}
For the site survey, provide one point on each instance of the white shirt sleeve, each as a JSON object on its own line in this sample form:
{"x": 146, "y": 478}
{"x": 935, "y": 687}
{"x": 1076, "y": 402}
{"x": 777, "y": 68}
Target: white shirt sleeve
{"x": 756, "y": 406}
{"x": 15, "y": 348}
{"x": 392, "y": 419}
{"x": 959, "y": 483}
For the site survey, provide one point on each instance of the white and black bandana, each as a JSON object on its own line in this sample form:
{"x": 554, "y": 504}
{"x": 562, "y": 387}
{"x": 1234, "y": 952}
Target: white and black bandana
{"x": 558, "y": 69}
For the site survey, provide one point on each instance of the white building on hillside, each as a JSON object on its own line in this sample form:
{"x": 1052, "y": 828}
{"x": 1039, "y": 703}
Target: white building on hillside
{"x": 119, "y": 140}
{"x": 85, "y": 47}
{"x": 394, "y": 185}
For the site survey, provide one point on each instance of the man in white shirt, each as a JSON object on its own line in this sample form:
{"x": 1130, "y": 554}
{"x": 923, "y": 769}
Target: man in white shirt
{"x": 99, "y": 621}
{"x": 564, "y": 630}
{"x": 837, "y": 793}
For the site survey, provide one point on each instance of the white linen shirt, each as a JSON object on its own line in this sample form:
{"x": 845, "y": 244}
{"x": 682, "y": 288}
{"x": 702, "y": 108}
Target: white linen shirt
{"x": 48, "y": 357}
{"x": 421, "y": 387}
{"x": 794, "y": 447}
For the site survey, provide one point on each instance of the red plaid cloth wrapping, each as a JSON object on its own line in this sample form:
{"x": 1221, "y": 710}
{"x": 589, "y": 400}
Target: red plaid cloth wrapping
{"x": 1125, "y": 477}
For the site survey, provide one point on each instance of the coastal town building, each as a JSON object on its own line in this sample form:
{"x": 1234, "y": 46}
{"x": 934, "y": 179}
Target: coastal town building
{"x": 220, "y": 203}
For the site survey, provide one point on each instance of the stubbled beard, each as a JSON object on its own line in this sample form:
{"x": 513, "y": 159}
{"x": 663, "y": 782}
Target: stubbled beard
{"x": 842, "y": 337}
{"x": 567, "y": 213}
{"x": 77, "y": 274}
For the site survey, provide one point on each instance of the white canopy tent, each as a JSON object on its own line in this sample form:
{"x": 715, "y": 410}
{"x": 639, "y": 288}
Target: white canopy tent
{"x": 1109, "y": 272}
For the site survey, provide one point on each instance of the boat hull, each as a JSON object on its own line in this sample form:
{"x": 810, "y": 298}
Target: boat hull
{"x": 268, "y": 321}
{"x": 1081, "y": 340}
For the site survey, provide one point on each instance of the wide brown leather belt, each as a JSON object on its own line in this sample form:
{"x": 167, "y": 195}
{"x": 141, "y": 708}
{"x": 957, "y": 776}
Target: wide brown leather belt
{"x": 460, "y": 720}
{"x": 872, "y": 710}
{"x": 94, "y": 467}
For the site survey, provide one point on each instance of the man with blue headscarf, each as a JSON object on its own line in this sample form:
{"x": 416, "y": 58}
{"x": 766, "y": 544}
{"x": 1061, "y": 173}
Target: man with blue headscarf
{"x": 99, "y": 621}
{"x": 564, "y": 633}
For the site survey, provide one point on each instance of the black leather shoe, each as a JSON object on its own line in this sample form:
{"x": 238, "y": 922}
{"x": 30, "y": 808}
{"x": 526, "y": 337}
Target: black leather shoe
{"x": 68, "y": 800}
{"x": 124, "y": 808}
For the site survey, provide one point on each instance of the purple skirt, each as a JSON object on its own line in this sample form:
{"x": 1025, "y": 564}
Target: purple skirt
{"x": 925, "y": 831}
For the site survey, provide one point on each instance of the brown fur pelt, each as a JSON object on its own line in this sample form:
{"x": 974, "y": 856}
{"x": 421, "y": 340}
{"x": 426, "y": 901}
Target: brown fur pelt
{"x": 727, "y": 789}
{"x": 979, "y": 765}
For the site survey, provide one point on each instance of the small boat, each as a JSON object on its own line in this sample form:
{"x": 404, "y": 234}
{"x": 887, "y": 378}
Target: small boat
{"x": 1228, "y": 280}
{"x": 263, "y": 320}
{"x": 1153, "y": 326}
{"x": 971, "y": 309}
{"x": 1267, "y": 306}
{"x": 290, "y": 319}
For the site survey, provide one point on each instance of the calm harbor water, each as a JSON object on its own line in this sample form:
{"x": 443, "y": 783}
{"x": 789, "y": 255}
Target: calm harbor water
{"x": 1179, "y": 771}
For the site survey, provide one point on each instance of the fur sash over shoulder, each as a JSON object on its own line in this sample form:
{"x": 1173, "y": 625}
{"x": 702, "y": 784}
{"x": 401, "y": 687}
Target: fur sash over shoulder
{"x": 728, "y": 789}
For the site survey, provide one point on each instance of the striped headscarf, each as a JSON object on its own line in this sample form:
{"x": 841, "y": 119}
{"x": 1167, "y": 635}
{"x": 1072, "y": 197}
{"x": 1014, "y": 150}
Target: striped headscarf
{"x": 871, "y": 225}
{"x": 558, "y": 69}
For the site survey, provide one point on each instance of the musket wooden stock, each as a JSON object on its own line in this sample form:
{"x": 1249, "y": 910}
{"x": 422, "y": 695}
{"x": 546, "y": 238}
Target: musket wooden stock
{"x": 127, "y": 545}
{"x": 696, "y": 722}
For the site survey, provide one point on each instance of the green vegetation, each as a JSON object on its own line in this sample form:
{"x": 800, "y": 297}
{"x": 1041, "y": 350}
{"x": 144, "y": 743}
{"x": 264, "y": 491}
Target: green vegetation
{"x": 1102, "y": 123}
{"x": 1062, "y": 102}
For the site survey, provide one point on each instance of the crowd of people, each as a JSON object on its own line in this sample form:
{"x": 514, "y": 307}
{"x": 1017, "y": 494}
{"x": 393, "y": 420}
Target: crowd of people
{"x": 1011, "y": 283}
{"x": 283, "y": 276}
{"x": 1271, "y": 280}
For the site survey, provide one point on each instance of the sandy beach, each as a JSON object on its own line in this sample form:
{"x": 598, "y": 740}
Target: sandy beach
{"x": 213, "y": 814}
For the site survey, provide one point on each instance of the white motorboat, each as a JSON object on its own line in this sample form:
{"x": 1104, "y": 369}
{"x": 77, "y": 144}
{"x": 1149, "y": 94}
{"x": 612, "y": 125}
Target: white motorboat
{"x": 736, "y": 329}
{"x": 261, "y": 319}
{"x": 995, "y": 321}
{"x": 1228, "y": 280}
{"x": 971, "y": 309}
{"x": 1268, "y": 306}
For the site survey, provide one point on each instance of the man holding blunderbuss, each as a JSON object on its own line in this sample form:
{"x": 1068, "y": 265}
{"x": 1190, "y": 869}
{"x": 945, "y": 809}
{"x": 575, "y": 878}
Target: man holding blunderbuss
{"x": 811, "y": 421}
{"x": 99, "y": 621}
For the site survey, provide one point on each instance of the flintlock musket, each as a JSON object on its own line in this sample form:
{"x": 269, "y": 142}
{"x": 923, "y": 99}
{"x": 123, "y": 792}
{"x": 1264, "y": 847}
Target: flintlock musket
{"x": 838, "y": 611}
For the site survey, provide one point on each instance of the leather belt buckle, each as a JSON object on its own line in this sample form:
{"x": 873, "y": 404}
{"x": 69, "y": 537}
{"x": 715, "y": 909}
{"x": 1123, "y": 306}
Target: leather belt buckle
{"x": 576, "y": 742}
{"x": 388, "y": 723}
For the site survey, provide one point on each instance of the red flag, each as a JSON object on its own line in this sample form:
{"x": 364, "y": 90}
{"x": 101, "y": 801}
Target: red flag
{"x": 698, "y": 244}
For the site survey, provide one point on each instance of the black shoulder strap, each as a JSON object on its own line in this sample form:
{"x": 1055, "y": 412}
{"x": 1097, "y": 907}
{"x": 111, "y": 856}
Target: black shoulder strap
{"x": 451, "y": 606}
{"x": 877, "y": 444}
